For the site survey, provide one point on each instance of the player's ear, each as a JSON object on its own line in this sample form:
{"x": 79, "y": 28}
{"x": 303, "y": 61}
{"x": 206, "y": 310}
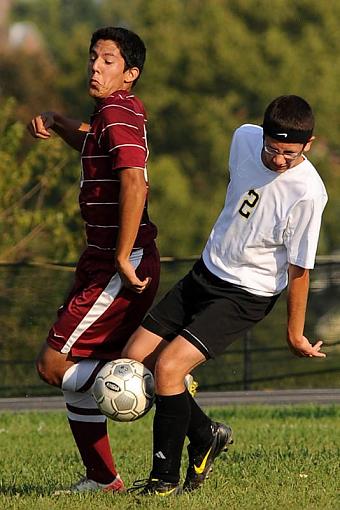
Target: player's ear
{"x": 309, "y": 144}
{"x": 131, "y": 74}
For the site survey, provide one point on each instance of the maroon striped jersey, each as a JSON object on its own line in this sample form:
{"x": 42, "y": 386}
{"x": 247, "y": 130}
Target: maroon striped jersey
{"x": 116, "y": 139}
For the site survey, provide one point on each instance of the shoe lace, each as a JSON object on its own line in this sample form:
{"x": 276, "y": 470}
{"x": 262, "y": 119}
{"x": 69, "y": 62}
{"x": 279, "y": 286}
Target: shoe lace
{"x": 139, "y": 484}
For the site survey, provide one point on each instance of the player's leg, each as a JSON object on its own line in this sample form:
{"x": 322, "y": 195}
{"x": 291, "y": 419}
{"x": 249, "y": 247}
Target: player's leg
{"x": 176, "y": 411}
{"x": 177, "y": 414}
{"x": 98, "y": 313}
{"x": 52, "y": 364}
{"x": 173, "y": 408}
{"x": 233, "y": 312}
{"x": 89, "y": 429}
{"x": 88, "y": 425}
{"x": 63, "y": 369}
{"x": 144, "y": 346}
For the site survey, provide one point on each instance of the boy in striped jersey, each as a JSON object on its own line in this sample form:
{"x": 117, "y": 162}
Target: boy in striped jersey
{"x": 117, "y": 275}
{"x": 264, "y": 240}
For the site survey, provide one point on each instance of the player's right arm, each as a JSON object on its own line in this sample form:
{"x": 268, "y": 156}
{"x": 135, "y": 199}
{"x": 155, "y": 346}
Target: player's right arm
{"x": 72, "y": 131}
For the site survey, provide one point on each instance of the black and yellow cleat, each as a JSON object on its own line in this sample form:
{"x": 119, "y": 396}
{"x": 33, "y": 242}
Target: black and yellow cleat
{"x": 155, "y": 487}
{"x": 201, "y": 460}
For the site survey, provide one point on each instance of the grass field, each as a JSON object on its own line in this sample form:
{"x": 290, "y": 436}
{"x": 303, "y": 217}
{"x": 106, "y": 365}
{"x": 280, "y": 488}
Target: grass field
{"x": 282, "y": 458}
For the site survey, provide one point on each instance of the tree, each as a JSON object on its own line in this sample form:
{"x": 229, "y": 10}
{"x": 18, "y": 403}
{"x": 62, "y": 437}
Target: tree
{"x": 38, "y": 203}
{"x": 211, "y": 66}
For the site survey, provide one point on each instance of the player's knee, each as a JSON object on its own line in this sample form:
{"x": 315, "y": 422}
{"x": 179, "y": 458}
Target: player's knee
{"x": 166, "y": 369}
{"x": 47, "y": 373}
{"x": 41, "y": 370}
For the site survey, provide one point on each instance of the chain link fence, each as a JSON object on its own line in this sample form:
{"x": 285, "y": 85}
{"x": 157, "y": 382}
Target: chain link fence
{"x": 31, "y": 293}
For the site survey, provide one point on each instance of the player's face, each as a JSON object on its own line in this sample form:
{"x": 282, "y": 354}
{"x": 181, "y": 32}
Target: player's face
{"x": 106, "y": 70}
{"x": 279, "y": 157}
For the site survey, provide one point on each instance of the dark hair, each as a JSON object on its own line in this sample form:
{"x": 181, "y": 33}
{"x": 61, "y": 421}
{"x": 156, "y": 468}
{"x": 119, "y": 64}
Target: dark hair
{"x": 130, "y": 45}
{"x": 289, "y": 119}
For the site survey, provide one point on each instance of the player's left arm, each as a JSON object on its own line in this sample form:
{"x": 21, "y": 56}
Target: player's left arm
{"x": 297, "y": 296}
{"x": 133, "y": 192}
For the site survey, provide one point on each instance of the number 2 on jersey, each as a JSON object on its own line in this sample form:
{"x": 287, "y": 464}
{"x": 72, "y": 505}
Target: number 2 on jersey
{"x": 249, "y": 203}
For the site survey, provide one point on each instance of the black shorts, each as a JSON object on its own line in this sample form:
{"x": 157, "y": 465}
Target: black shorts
{"x": 207, "y": 311}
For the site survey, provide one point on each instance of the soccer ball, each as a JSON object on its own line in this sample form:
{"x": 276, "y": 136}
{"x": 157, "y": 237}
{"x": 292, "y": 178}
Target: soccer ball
{"x": 124, "y": 390}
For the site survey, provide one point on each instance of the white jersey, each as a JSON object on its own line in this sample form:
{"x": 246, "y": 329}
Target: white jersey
{"x": 268, "y": 221}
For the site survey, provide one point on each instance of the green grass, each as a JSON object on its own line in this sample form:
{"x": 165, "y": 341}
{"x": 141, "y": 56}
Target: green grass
{"x": 282, "y": 458}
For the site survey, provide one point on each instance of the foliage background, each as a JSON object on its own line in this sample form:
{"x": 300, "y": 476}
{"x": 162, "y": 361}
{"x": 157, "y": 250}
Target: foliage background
{"x": 211, "y": 66}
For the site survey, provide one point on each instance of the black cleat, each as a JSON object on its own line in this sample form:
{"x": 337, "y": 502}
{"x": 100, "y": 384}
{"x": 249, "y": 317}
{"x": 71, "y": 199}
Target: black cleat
{"x": 201, "y": 460}
{"x": 155, "y": 487}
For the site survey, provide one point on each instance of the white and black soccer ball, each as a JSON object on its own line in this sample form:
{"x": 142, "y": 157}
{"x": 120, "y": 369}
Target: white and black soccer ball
{"x": 124, "y": 390}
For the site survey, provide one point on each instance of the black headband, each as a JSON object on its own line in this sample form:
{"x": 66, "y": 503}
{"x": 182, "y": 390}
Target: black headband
{"x": 286, "y": 135}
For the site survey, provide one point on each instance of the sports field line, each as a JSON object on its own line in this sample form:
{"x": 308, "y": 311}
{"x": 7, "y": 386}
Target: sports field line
{"x": 205, "y": 399}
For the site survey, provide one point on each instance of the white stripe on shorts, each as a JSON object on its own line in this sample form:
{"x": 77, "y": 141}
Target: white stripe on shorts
{"x": 103, "y": 302}
{"x": 197, "y": 340}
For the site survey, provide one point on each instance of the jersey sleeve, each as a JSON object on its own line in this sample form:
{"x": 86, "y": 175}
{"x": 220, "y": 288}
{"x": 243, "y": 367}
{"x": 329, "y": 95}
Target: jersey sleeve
{"x": 302, "y": 232}
{"x": 244, "y": 145}
{"x": 123, "y": 137}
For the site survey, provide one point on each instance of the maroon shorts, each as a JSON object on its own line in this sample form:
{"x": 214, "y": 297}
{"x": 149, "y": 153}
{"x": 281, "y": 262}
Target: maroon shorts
{"x": 99, "y": 314}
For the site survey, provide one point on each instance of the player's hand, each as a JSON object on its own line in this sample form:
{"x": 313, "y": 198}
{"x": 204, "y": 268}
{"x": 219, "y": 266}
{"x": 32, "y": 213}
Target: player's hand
{"x": 40, "y": 126}
{"x": 302, "y": 347}
{"x": 129, "y": 278}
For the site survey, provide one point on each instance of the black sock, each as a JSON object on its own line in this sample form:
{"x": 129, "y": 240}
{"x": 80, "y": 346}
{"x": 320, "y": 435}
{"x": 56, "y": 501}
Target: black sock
{"x": 199, "y": 428}
{"x": 169, "y": 430}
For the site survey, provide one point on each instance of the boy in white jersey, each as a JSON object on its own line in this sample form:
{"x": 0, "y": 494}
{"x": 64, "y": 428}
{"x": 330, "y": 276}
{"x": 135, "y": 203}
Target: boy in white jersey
{"x": 265, "y": 238}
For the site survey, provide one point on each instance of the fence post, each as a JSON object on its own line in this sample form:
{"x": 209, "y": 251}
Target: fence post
{"x": 247, "y": 361}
